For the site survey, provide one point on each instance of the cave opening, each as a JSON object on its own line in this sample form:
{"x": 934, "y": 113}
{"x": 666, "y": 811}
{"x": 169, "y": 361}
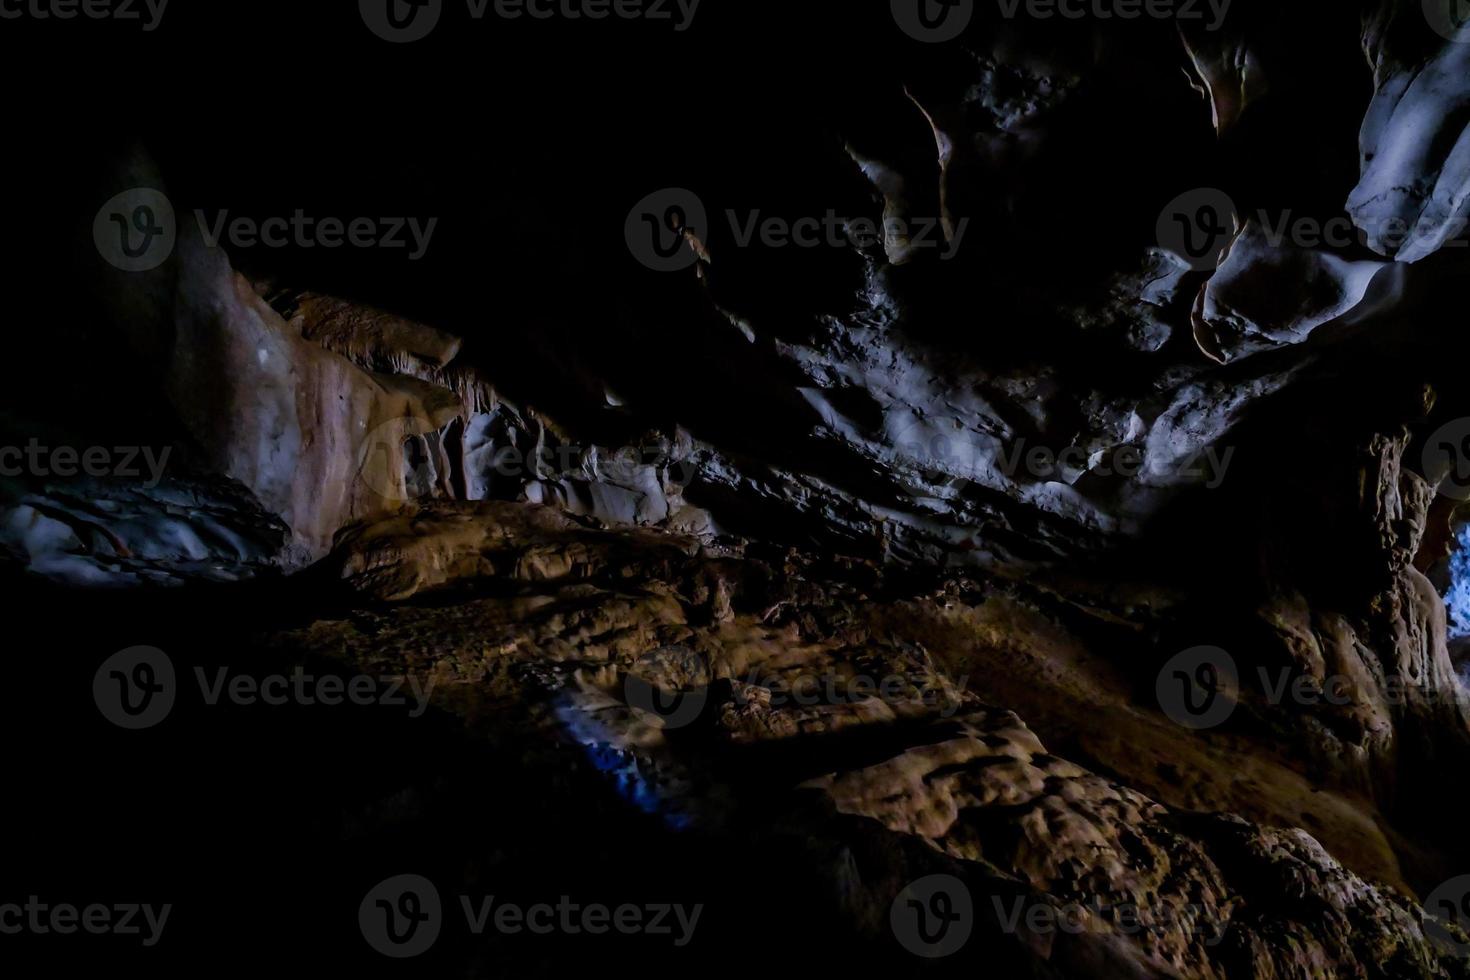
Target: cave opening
{"x": 1454, "y": 584}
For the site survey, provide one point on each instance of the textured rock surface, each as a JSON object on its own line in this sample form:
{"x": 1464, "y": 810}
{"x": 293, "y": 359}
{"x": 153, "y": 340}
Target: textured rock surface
{"x": 106, "y": 534}
{"x": 782, "y": 660}
{"x": 920, "y": 520}
{"x": 1264, "y": 297}
{"x": 1197, "y": 897}
{"x": 1414, "y": 196}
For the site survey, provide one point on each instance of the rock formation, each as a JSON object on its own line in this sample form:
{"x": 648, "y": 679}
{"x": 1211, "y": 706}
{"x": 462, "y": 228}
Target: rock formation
{"x": 1146, "y": 377}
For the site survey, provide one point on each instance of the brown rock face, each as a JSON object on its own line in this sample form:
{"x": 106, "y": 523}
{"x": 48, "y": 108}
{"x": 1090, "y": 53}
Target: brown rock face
{"x": 840, "y": 688}
{"x": 301, "y": 427}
